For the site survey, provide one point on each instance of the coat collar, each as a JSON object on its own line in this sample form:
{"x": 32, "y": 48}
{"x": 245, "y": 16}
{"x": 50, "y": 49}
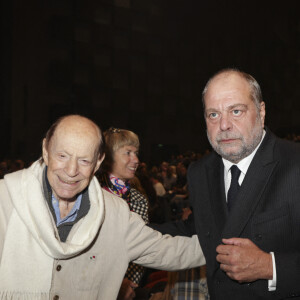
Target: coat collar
{"x": 26, "y": 191}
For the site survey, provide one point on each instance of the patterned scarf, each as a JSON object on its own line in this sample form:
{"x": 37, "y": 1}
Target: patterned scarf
{"x": 118, "y": 187}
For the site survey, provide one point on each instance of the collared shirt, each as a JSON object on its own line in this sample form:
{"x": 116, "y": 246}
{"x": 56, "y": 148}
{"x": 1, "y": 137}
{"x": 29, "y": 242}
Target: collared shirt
{"x": 72, "y": 214}
{"x": 243, "y": 165}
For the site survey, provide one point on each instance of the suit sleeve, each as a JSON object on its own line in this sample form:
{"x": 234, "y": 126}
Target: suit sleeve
{"x": 288, "y": 274}
{"x": 288, "y": 260}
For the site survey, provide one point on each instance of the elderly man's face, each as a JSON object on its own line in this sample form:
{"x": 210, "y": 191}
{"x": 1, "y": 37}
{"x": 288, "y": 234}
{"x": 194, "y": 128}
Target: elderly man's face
{"x": 71, "y": 159}
{"x": 234, "y": 124}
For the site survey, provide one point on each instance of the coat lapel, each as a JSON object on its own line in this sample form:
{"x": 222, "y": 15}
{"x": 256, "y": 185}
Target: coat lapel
{"x": 215, "y": 175}
{"x": 252, "y": 188}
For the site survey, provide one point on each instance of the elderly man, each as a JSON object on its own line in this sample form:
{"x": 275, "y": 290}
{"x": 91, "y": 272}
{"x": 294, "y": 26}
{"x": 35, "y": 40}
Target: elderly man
{"x": 63, "y": 237}
{"x": 245, "y": 197}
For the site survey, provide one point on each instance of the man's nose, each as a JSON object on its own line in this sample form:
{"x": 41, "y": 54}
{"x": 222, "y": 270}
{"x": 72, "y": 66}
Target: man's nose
{"x": 225, "y": 122}
{"x": 71, "y": 168}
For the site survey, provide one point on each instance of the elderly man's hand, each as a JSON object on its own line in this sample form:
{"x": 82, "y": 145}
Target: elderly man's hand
{"x": 243, "y": 261}
{"x": 127, "y": 290}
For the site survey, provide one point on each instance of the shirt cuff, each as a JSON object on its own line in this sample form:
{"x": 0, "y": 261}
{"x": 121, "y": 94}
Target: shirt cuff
{"x": 272, "y": 283}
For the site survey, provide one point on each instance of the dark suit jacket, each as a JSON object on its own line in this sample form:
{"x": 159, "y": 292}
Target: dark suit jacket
{"x": 267, "y": 211}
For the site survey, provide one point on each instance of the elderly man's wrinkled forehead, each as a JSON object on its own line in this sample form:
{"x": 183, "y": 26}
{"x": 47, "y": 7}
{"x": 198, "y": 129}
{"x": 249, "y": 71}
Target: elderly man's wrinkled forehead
{"x": 81, "y": 129}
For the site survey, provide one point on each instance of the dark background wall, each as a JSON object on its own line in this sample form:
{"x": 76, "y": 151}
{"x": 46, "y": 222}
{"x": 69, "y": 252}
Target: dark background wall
{"x": 141, "y": 65}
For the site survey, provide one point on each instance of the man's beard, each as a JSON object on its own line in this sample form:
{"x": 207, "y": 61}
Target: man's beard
{"x": 245, "y": 148}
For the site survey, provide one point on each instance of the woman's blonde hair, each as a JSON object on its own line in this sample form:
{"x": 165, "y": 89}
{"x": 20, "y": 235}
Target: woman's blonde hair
{"x": 115, "y": 139}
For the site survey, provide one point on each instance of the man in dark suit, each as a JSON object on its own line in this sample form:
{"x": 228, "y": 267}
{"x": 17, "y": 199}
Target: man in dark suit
{"x": 247, "y": 219}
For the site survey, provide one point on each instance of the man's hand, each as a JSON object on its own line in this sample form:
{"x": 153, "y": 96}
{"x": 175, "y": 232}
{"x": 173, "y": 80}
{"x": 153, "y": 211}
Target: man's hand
{"x": 127, "y": 290}
{"x": 185, "y": 213}
{"x": 243, "y": 261}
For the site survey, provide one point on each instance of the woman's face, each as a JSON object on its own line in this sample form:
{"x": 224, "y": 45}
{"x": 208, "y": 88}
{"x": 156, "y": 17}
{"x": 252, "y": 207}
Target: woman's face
{"x": 125, "y": 162}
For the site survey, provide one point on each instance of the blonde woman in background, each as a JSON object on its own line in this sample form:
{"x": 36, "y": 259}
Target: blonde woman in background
{"x": 118, "y": 168}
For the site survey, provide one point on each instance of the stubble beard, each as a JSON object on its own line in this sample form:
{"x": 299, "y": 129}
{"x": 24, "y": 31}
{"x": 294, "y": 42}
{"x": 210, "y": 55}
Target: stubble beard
{"x": 245, "y": 148}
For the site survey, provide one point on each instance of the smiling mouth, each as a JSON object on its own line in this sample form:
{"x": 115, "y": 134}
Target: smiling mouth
{"x": 72, "y": 182}
{"x": 132, "y": 169}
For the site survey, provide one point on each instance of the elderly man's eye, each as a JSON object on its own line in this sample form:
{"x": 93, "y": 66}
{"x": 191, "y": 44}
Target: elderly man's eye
{"x": 236, "y": 112}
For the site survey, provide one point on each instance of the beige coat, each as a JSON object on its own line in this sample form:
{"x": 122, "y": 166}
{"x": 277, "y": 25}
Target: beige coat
{"x": 91, "y": 264}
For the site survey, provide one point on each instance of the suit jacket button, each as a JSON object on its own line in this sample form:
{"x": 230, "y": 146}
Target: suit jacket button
{"x": 207, "y": 234}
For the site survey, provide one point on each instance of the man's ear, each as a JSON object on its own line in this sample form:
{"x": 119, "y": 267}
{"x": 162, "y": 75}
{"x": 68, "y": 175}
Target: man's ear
{"x": 98, "y": 163}
{"x": 45, "y": 152}
{"x": 262, "y": 113}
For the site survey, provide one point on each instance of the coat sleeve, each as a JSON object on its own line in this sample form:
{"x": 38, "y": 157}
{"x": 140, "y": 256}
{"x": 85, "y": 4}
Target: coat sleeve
{"x": 150, "y": 248}
{"x": 288, "y": 274}
{"x": 287, "y": 261}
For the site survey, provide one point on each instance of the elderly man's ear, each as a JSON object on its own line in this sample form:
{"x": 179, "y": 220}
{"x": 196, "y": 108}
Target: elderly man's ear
{"x": 99, "y": 162}
{"x": 45, "y": 152}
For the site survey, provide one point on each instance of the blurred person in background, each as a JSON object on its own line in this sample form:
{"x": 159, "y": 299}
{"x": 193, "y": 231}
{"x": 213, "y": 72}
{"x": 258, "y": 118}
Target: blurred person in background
{"x": 3, "y": 169}
{"x": 171, "y": 178}
{"x": 157, "y": 185}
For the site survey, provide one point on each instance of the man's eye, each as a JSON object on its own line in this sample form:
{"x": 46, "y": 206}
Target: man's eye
{"x": 213, "y": 115}
{"x": 236, "y": 112}
{"x": 84, "y": 162}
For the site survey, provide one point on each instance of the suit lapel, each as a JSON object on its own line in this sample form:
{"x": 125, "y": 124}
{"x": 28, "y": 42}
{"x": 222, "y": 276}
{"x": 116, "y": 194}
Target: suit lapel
{"x": 252, "y": 188}
{"x": 215, "y": 175}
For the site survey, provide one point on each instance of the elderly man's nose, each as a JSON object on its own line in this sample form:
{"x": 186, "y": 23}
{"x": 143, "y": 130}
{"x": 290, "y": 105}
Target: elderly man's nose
{"x": 71, "y": 168}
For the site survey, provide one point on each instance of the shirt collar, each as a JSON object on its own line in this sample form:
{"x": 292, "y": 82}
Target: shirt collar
{"x": 244, "y": 164}
{"x": 72, "y": 214}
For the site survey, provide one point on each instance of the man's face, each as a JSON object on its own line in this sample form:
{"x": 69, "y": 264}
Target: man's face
{"x": 234, "y": 124}
{"x": 71, "y": 159}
